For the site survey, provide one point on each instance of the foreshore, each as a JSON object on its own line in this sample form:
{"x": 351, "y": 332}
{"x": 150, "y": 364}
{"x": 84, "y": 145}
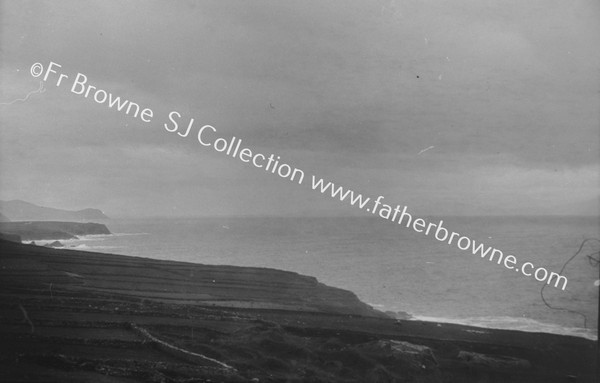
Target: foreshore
{"x": 79, "y": 316}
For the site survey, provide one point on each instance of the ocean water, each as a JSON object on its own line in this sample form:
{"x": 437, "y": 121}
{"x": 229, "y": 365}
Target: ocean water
{"x": 394, "y": 268}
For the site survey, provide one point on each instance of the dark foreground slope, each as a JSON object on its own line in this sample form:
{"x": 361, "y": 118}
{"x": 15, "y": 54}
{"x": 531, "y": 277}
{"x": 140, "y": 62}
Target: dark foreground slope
{"x": 75, "y": 316}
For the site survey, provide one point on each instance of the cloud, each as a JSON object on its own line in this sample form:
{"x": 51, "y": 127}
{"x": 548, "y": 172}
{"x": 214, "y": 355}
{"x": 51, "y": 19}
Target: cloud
{"x": 349, "y": 90}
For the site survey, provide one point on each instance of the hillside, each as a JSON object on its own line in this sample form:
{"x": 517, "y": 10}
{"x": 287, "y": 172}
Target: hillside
{"x": 82, "y": 317}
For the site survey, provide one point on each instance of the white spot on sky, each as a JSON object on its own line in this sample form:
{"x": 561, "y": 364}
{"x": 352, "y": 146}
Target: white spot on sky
{"x": 426, "y": 149}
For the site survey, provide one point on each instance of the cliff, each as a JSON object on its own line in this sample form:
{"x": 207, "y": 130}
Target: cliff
{"x": 44, "y": 230}
{"x": 80, "y": 316}
{"x": 17, "y": 210}
{"x": 196, "y": 284}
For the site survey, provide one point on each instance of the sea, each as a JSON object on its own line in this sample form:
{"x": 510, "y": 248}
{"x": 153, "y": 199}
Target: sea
{"x": 393, "y": 268}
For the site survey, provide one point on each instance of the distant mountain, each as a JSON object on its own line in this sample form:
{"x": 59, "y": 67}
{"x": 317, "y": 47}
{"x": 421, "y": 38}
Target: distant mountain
{"x": 17, "y": 210}
{"x": 4, "y": 218}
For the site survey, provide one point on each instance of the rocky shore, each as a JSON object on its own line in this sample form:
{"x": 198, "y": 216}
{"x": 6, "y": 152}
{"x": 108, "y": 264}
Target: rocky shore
{"x": 79, "y": 317}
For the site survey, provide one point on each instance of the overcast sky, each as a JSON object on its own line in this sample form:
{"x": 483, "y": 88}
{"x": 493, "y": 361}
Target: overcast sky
{"x": 505, "y": 94}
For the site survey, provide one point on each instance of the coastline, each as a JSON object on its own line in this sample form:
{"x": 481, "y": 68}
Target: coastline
{"x": 516, "y": 324}
{"x": 486, "y": 322}
{"x": 511, "y": 302}
{"x": 71, "y": 313}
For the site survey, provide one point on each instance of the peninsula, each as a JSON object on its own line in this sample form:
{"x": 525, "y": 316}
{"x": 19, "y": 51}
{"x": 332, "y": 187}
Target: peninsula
{"x": 51, "y": 230}
{"x": 18, "y": 210}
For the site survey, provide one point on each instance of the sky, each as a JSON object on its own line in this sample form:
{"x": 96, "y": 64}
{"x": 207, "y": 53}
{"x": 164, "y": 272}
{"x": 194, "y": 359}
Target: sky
{"x": 463, "y": 107}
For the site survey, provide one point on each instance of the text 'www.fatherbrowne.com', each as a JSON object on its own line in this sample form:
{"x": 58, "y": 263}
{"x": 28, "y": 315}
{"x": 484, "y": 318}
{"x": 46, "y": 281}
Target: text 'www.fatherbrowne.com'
{"x": 401, "y": 216}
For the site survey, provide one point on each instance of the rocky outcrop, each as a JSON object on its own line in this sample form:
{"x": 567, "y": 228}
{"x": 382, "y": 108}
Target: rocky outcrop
{"x": 46, "y": 230}
{"x": 55, "y": 244}
{"x": 18, "y": 210}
